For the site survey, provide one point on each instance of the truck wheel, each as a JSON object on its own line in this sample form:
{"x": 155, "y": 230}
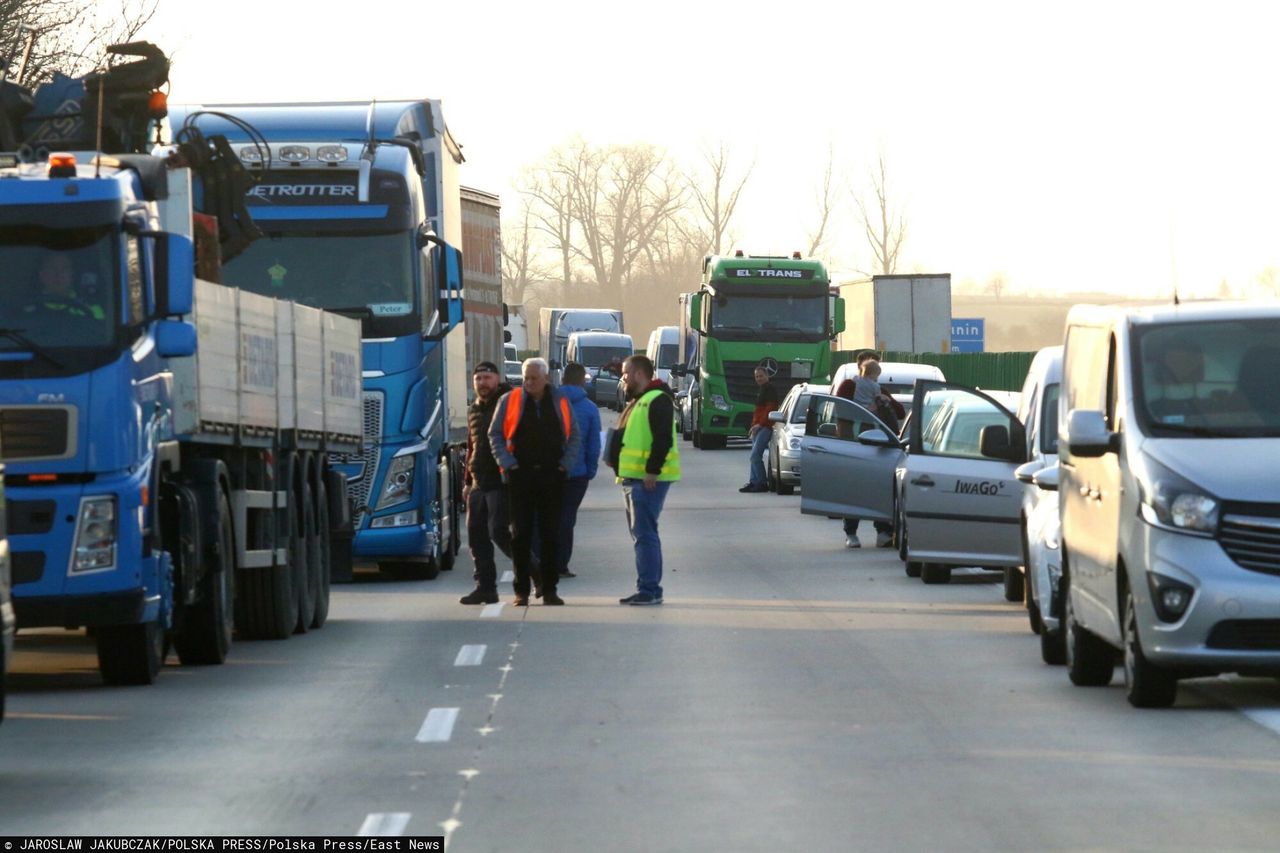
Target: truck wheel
{"x": 1146, "y": 685}
{"x": 207, "y": 626}
{"x": 268, "y": 600}
{"x": 713, "y": 442}
{"x": 308, "y": 578}
{"x": 130, "y": 654}
{"x": 1090, "y": 661}
{"x": 1013, "y": 584}
{"x": 932, "y": 573}
{"x": 324, "y": 555}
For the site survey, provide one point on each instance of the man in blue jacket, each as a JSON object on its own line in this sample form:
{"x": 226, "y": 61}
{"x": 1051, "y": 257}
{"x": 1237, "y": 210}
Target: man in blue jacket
{"x": 572, "y": 386}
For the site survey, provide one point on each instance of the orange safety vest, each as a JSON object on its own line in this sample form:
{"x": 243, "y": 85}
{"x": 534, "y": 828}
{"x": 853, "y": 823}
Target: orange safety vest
{"x": 515, "y": 408}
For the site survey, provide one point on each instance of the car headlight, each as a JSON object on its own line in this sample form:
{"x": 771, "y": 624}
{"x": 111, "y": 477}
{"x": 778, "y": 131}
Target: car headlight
{"x": 398, "y": 485}
{"x": 794, "y": 444}
{"x": 95, "y": 545}
{"x": 720, "y": 402}
{"x": 1172, "y": 502}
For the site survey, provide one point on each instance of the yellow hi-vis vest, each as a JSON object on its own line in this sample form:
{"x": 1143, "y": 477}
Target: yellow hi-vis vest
{"x": 637, "y": 441}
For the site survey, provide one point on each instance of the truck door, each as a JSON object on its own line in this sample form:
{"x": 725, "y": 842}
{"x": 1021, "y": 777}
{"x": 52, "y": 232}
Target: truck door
{"x": 847, "y": 461}
{"x": 962, "y": 504}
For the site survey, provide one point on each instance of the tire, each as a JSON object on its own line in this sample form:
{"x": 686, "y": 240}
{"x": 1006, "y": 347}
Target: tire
{"x": 1034, "y": 618}
{"x": 309, "y": 578}
{"x": 786, "y": 489}
{"x": 1146, "y": 685}
{"x": 913, "y": 568}
{"x": 130, "y": 654}
{"x": 1053, "y": 648}
{"x": 713, "y": 442}
{"x": 325, "y": 555}
{"x": 267, "y": 603}
{"x": 932, "y": 573}
{"x": 208, "y": 625}
{"x": 686, "y": 432}
{"x": 1090, "y": 661}
{"x": 403, "y": 570}
{"x": 771, "y": 478}
{"x": 1014, "y": 584}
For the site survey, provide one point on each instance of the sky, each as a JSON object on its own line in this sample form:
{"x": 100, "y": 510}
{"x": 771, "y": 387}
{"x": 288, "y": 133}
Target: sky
{"x": 1119, "y": 146}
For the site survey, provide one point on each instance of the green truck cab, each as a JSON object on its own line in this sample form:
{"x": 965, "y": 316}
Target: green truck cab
{"x": 753, "y": 310}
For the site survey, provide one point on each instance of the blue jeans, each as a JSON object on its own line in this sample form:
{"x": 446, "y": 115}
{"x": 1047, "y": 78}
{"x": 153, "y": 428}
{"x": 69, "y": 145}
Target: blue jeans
{"x": 643, "y": 509}
{"x": 575, "y": 489}
{"x": 759, "y": 445}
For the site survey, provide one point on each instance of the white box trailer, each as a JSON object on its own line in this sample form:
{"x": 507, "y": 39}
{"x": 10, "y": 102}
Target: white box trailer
{"x": 898, "y": 313}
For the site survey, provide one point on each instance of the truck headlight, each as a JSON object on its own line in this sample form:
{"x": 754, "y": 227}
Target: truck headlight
{"x": 398, "y": 485}
{"x": 1172, "y": 502}
{"x": 720, "y": 402}
{"x": 95, "y": 544}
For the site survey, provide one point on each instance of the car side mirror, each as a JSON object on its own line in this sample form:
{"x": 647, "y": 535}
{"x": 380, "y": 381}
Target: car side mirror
{"x": 994, "y": 443}
{"x": 1087, "y": 434}
{"x": 777, "y": 417}
{"x": 877, "y": 438}
{"x": 1047, "y": 479}
{"x": 1026, "y": 472}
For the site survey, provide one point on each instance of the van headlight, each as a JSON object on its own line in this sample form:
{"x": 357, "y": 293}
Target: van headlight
{"x": 95, "y": 545}
{"x": 1172, "y": 502}
{"x": 398, "y": 485}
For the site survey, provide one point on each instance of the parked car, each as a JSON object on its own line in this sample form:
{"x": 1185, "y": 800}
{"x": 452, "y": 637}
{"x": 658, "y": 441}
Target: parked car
{"x": 897, "y": 378}
{"x": 1042, "y": 557}
{"x": 1168, "y": 435}
{"x": 513, "y": 373}
{"x": 1038, "y": 411}
{"x": 783, "y": 466}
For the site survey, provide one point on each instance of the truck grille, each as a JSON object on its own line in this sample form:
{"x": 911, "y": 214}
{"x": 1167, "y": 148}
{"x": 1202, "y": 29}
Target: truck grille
{"x": 740, "y": 377}
{"x": 1250, "y": 534}
{"x": 35, "y": 432}
{"x": 368, "y": 455}
{"x": 1245, "y": 634}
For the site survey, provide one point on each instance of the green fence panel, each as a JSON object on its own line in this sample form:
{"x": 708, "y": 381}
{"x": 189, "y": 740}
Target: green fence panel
{"x": 996, "y": 371}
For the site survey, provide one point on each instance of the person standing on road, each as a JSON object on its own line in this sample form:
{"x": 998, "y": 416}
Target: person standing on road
{"x": 482, "y": 487}
{"x": 644, "y": 453}
{"x": 536, "y": 440}
{"x": 864, "y": 390}
{"x": 767, "y": 400}
{"x": 572, "y": 386}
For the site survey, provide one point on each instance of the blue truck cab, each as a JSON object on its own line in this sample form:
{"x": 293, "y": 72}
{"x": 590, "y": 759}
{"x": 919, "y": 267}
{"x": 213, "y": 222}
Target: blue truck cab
{"x": 352, "y": 206}
{"x": 86, "y": 415}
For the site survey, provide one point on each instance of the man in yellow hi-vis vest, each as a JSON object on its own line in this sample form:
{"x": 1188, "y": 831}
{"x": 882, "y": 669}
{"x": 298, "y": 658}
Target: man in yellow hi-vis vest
{"x": 644, "y": 453}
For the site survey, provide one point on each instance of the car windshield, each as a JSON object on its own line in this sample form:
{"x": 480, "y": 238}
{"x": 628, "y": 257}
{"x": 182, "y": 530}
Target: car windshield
{"x": 59, "y": 287}
{"x": 736, "y": 317}
{"x": 370, "y": 273}
{"x": 1209, "y": 379}
{"x": 601, "y": 356}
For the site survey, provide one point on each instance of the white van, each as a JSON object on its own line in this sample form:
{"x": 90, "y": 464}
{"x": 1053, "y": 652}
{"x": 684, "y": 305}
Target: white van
{"x": 664, "y": 350}
{"x": 1169, "y": 442}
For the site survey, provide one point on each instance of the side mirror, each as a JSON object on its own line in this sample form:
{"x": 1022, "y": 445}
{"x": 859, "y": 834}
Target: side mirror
{"x": 838, "y": 320}
{"x": 877, "y": 438}
{"x": 506, "y": 317}
{"x": 777, "y": 417}
{"x": 1087, "y": 434}
{"x": 695, "y": 312}
{"x": 1026, "y": 472}
{"x": 1047, "y": 479}
{"x": 994, "y": 443}
{"x": 175, "y": 274}
{"x": 679, "y": 369}
{"x": 175, "y": 339}
{"x": 827, "y": 430}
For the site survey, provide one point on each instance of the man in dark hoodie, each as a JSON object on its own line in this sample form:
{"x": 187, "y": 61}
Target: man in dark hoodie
{"x": 644, "y": 453}
{"x": 482, "y": 487}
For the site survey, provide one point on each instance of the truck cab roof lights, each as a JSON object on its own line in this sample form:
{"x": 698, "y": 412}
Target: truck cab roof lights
{"x": 251, "y": 154}
{"x": 62, "y": 165}
{"x": 332, "y": 154}
{"x": 295, "y": 153}
{"x": 158, "y": 105}
{"x": 795, "y": 256}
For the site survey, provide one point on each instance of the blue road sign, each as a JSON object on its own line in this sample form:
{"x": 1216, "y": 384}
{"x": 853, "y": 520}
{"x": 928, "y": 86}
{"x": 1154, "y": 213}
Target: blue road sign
{"x": 968, "y": 334}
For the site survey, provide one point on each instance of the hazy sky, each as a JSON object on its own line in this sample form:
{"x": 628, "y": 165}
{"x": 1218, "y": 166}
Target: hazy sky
{"x": 1068, "y": 146}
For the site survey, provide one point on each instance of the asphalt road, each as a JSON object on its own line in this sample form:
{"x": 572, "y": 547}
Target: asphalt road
{"x": 790, "y": 695}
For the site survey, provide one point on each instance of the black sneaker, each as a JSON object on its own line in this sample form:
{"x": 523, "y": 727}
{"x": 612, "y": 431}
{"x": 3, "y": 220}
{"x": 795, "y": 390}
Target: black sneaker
{"x": 752, "y": 489}
{"x": 568, "y": 574}
{"x": 552, "y": 598}
{"x": 640, "y": 599}
{"x": 479, "y": 596}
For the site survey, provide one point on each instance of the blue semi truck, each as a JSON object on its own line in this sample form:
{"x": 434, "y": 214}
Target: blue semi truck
{"x": 167, "y": 439}
{"x": 360, "y": 208}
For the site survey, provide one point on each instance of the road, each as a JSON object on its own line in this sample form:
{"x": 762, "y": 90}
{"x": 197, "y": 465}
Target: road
{"x": 790, "y": 695}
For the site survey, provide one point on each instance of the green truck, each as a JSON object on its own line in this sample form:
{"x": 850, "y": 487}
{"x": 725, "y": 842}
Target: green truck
{"x": 750, "y": 311}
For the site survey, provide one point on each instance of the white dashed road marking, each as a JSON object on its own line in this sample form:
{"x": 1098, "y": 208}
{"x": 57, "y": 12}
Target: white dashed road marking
{"x": 385, "y": 823}
{"x": 491, "y": 611}
{"x": 470, "y": 656}
{"x": 438, "y": 726}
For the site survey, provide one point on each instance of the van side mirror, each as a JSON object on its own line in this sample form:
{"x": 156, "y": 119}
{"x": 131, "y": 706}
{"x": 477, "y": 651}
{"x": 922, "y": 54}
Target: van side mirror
{"x": 1087, "y": 434}
{"x": 1026, "y": 472}
{"x": 174, "y": 274}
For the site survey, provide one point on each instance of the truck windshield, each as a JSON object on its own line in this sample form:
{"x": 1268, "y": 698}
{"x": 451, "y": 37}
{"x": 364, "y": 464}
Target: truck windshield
{"x": 1209, "y": 379}
{"x": 769, "y": 318}
{"x": 59, "y": 287}
{"x": 370, "y": 275}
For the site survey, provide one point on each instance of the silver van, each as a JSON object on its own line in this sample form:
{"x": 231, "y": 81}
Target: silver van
{"x": 1169, "y": 449}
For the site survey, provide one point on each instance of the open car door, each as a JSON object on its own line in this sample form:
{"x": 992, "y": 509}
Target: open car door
{"x": 848, "y": 460}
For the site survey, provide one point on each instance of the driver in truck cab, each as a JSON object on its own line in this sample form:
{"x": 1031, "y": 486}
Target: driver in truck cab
{"x": 54, "y": 293}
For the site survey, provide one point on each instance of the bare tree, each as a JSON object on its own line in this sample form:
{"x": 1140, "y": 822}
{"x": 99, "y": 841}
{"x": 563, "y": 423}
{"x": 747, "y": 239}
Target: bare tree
{"x": 884, "y": 225}
{"x": 549, "y": 189}
{"x": 825, "y": 201}
{"x": 521, "y": 269}
{"x": 717, "y": 196}
{"x": 71, "y": 36}
{"x": 996, "y": 285}
{"x": 1269, "y": 280}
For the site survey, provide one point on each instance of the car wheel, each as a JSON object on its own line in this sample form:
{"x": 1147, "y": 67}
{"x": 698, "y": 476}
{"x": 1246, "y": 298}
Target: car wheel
{"x": 1146, "y": 685}
{"x": 1033, "y": 617}
{"x": 1053, "y": 649}
{"x": 1090, "y": 661}
{"x": 913, "y": 567}
{"x": 1013, "y": 583}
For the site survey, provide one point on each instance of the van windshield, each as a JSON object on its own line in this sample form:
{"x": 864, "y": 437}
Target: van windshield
{"x": 1209, "y": 379}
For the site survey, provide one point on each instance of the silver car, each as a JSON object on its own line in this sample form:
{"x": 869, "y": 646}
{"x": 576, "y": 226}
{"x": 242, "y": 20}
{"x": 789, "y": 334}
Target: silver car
{"x": 783, "y": 464}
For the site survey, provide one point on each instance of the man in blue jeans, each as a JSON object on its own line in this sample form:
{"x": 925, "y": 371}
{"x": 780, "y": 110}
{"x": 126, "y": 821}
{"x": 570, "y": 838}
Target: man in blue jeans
{"x": 767, "y": 401}
{"x": 644, "y": 453}
{"x": 572, "y": 384}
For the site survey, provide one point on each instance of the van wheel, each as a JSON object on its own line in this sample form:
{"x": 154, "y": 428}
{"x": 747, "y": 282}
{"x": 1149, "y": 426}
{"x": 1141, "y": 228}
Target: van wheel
{"x": 932, "y": 573}
{"x": 1146, "y": 685}
{"x": 1053, "y": 649}
{"x": 1090, "y": 661}
{"x": 1013, "y": 584}
{"x": 130, "y": 654}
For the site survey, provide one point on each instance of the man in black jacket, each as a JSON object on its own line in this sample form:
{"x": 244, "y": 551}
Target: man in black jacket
{"x": 482, "y": 487}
